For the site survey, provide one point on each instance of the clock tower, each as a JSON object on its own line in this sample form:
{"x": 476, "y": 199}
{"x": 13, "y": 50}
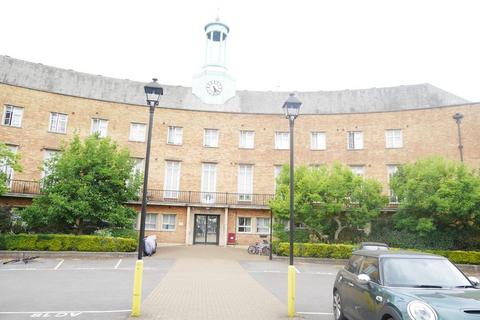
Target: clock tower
{"x": 214, "y": 85}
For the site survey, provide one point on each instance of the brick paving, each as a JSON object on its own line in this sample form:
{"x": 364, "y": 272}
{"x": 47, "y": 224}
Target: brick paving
{"x": 207, "y": 282}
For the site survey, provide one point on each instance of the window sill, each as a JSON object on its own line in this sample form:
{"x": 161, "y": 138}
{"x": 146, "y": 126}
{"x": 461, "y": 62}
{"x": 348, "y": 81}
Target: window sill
{"x": 356, "y": 149}
{"x": 246, "y": 148}
{"x": 175, "y": 144}
{"x": 137, "y": 141}
{"x": 318, "y": 149}
{"x": 210, "y": 147}
{"x": 168, "y": 230}
{"x": 10, "y": 126}
{"x": 64, "y": 133}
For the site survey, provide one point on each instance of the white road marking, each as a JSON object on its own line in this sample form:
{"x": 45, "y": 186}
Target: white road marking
{"x": 118, "y": 263}
{"x": 56, "y": 312}
{"x": 80, "y": 269}
{"x": 58, "y": 265}
{"x": 319, "y": 313}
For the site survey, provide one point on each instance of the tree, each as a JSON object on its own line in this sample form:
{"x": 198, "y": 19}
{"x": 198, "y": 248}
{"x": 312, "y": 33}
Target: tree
{"x": 86, "y": 188}
{"x": 436, "y": 194}
{"x": 8, "y": 162}
{"x": 326, "y": 197}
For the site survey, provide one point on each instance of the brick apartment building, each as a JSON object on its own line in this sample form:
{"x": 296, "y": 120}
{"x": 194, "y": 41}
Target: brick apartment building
{"x": 216, "y": 151}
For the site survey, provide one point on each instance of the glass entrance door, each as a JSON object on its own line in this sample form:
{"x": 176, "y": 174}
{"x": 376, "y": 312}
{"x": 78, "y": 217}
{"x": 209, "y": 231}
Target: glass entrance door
{"x": 206, "y": 229}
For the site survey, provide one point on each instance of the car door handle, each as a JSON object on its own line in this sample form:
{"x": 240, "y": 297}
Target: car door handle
{"x": 350, "y": 284}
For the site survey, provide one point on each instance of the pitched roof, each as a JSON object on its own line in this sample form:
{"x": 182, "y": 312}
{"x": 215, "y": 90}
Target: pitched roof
{"x": 56, "y": 80}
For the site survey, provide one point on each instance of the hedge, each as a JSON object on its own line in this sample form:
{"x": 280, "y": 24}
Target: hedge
{"x": 344, "y": 251}
{"x": 65, "y": 242}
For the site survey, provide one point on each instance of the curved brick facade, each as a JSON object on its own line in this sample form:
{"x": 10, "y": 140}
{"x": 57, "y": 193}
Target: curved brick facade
{"x": 425, "y": 131}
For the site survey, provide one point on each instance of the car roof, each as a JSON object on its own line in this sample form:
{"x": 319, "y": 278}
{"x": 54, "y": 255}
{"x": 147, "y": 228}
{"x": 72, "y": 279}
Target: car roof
{"x": 396, "y": 254}
{"x": 380, "y": 244}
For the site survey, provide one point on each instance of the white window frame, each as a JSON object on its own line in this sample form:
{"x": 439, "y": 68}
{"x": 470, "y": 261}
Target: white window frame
{"x": 277, "y": 169}
{"x": 318, "y": 140}
{"x": 47, "y": 156}
{"x": 263, "y": 226}
{"x": 355, "y": 140}
{"x": 137, "y": 131}
{"x": 358, "y": 170}
{"x": 166, "y": 224}
{"x": 16, "y": 116}
{"x": 175, "y": 135}
{"x": 282, "y": 140}
{"x": 101, "y": 126}
{"x": 393, "y": 138}
{"x": 246, "y": 139}
{"x": 391, "y": 170}
{"x": 210, "y": 138}
{"x": 138, "y": 166}
{"x": 5, "y": 168}
{"x": 245, "y": 182}
{"x": 209, "y": 182}
{"x": 246, "y": 228}
{"x": 151, "y": 220}
{"x": 58, "y": 122}
{"x": 171, "y": 185}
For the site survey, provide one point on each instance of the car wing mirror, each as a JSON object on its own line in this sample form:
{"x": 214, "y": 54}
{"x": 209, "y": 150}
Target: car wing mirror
{"x": 474, "y": 281}
{"x": 363, "y": 279}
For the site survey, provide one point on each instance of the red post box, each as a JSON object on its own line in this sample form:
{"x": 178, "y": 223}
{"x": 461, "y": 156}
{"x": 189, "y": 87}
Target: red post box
{"x": 231, "y": 238}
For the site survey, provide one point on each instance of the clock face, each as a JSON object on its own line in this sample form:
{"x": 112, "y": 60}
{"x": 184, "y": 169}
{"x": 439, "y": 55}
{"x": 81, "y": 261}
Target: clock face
{"x": 214, "y": 87}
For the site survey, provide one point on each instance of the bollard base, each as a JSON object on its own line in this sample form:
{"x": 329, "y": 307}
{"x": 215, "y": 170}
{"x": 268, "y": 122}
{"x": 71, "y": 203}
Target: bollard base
{"x": 137, "y": 289}
{"x": 291, "y": 291}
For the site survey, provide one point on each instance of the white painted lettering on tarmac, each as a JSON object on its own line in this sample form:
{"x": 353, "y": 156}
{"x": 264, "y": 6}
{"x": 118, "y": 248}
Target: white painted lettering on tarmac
{"x": 56, "y": 315}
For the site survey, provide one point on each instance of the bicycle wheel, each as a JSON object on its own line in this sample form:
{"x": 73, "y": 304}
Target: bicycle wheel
{"x": 265, "y": 251}
{"x": 252, "y": 249}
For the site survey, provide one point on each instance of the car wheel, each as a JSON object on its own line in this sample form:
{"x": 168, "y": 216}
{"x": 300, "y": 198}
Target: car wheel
{"x": 337, "y": 307}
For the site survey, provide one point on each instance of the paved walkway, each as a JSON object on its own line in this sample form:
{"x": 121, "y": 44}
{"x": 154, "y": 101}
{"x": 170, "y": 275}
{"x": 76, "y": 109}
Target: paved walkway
{"x": 207, "y": 282}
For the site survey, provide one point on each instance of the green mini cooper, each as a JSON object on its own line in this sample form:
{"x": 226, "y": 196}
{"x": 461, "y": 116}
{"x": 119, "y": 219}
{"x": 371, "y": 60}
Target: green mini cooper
{"x": 401, "y": 285}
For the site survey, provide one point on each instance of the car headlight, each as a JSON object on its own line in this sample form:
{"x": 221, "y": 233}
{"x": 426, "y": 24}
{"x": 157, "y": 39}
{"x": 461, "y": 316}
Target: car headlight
{"x": 418, "y": 310}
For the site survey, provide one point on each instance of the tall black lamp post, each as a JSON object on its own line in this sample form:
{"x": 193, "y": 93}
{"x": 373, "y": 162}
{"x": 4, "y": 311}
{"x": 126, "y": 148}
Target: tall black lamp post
{"x": 458, "y": 118}
{"x": 291, "y": 108}
{"x": 153, "y": 91}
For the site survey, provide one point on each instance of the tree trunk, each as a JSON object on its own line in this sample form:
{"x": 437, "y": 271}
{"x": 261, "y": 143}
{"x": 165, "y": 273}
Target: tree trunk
{"x": 78, "y": 226}
{"x": 339, "y": 228}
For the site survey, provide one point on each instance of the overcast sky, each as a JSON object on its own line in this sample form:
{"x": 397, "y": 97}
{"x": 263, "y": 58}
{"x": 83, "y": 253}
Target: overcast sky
{"x": 303, "y": 45}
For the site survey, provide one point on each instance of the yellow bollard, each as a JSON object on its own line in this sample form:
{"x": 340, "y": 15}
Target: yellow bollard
{"x": 291, "y": 291}
{"x": 137, "y": 289}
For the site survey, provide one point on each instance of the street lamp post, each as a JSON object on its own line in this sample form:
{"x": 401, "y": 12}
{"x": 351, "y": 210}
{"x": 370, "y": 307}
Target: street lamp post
{"x": 458, "y": 118}
{"x": 291, "y": 108}
{"x": 153, "y": 91}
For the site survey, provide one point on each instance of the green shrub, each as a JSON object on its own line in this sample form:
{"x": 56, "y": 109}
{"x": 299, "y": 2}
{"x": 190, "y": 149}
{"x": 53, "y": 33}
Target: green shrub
{"x": 65, "y": 242}
{"x": 316, "y": 250}
{"x": 344, "y": 251}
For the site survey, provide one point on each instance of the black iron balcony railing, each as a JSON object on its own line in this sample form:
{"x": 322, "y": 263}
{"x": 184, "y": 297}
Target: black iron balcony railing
{"x": 169, "y": 196}
{"x": 219, "y": 198}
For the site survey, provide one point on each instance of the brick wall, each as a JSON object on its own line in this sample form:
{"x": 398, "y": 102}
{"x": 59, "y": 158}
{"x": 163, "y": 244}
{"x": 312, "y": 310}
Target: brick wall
{"x": 425, "y": 132}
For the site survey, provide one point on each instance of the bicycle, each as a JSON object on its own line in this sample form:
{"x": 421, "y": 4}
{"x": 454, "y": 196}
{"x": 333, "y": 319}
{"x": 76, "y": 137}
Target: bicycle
{"x": 25, "y": 259}
{"x": 260, "y": 248}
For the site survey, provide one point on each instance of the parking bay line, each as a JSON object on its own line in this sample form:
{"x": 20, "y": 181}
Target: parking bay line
{"x": 162, "y": 271}
{"x": 307, "y": 273}
{"x": 58, "y": 265}
{"x": 118, "y": 263}
{"x": 317, "y": 313}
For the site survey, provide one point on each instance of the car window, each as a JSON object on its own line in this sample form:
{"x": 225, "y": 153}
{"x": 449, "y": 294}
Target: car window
{"x": 370, "y": 268}
{"x": 421, "y": 271}
{"x": 354, "y": 264}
